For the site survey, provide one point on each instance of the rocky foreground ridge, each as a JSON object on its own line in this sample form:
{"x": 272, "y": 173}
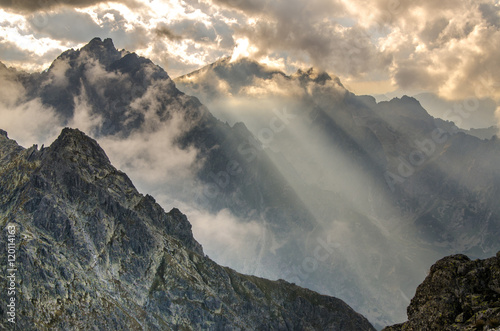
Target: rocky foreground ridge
{"x": 458, "y": 294}
{"x": 94, "y": 253}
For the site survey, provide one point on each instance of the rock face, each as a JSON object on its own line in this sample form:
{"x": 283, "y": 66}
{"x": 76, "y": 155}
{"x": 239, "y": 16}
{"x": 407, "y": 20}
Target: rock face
{"x": 93, "y": 253}
{"x": 458, "y": 294}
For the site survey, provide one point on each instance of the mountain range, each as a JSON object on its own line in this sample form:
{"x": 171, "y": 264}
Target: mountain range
{"x": 389, "y": 169}
{"x": 284, "y": 176}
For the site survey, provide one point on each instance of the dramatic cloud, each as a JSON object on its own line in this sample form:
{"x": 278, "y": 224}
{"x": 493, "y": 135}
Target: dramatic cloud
{"x": 381, "y": 46}
{"x": 83, "y": 118}
{"x": 445, "y": 47}
{"x": 27, "y": 122}
{"x": 12, "y": 53}
{"x": 233, "y": 242}
{"x": 37, "y": 5}
{"x": 162, "y": 30}
{"x": 152, "y": 158}
{"x": 64, "y": 25}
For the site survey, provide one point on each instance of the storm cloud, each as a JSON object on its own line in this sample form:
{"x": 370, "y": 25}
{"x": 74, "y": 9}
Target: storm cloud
{"x": 445, "y": 47}
{"x": 386, "y": 46}
{"x": 29, "y": 6}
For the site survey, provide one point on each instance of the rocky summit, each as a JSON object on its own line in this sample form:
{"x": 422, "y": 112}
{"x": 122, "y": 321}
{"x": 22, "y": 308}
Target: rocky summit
{"x": 91, "y": 252}
{"x": 458, "y": 294}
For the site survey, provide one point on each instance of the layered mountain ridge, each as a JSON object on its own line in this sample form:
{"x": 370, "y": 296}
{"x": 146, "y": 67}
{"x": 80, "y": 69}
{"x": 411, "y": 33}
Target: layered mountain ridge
{"x": 395, "y": 140}
{"x": 319, "y": 186}
{"x": 92, "y": 252}
{"x": 394, "y": 171}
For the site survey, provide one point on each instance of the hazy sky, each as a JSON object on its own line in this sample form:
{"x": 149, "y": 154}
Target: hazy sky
{"x": 448, "y": 47}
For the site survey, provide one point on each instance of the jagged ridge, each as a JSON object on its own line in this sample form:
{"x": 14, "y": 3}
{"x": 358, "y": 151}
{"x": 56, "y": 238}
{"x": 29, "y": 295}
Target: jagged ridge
{"x": 94, "y": 253}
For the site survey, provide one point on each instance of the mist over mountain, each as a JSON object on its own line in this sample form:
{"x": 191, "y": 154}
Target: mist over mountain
{"x": 175, "y": 148}
{"x": 408, "y": 176}
{"x": 283, "y": 176}
{"x": 94, "y": 253}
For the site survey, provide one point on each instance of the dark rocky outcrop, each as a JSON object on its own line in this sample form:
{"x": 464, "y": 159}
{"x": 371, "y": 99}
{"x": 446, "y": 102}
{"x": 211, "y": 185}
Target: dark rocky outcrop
{"x": 458, "y": 294}
{"x": 93, "y": 253}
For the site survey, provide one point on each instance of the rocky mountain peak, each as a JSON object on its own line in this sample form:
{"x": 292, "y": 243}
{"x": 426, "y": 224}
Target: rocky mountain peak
{"x": 458, "y": 294}
{"x": 314, "y": 75}
{"x": 8, "y": 148}
{"x": 74, "y": 145}
{"x": 103, "y": 51}
{"x": 97, "y": 44}
{"x": 74, "y": 139}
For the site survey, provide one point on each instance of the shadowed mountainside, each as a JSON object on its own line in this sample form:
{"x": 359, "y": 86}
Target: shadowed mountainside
{"x": 94, "y": 253}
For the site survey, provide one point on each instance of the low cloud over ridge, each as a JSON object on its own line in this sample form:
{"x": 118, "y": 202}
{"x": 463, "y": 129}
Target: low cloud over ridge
{"x": 445, "y": 48}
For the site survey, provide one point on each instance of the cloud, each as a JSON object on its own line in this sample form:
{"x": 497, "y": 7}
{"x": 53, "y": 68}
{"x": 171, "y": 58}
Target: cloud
{"x": 27, "y": 6}
{"x": 422, "y": 46}
{"x": 162, "y": 30}
{"x": 28, "y": 122}
{"x": 64, "y": 24}
{"x": 316, "y": 36}
{"x": 409, "y": 75}
{"x": 490, "y": 13}
{"x": 11, "y": 52}
{"x": 84, "y": 118}
{"x": 57, "y": 75}
{"x": 231, "y": 241}
{"x": 74, "y": 27}
{"x": 98, "y": 76}
{"x": 497, "y": 115}
{"x": 25, "y": 56}
{"x": 194, "y": 30}
{"x": 443, "y": 47}
{"x": 152, "y": 158}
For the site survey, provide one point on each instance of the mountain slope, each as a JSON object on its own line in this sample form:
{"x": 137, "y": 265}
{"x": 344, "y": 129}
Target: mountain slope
{"x": 94, "y": 253}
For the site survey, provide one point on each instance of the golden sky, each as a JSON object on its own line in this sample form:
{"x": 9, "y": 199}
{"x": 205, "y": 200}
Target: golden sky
{"x": 448, "y": 47}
